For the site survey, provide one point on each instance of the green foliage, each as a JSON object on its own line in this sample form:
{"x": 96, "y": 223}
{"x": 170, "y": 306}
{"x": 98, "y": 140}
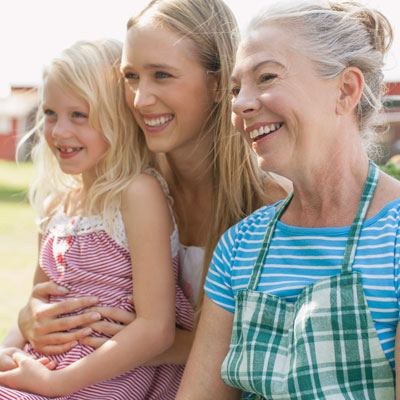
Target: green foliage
{"x": 18, "y": 241}
{"x": 391, "y": 169}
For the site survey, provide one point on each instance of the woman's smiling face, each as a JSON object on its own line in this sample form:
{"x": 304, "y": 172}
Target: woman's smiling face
{"x": 280, "y": 103}
{"x": 168, "y": 91}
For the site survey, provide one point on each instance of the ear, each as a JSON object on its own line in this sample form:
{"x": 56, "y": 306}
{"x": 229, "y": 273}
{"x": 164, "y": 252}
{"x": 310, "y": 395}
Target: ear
{"x": 351, "y": 85}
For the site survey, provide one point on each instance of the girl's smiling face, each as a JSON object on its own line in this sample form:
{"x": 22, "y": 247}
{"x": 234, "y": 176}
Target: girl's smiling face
{"x": 76, "y": 145}
{"x": 168, "y": 91}
{"x": 280, "y": 103}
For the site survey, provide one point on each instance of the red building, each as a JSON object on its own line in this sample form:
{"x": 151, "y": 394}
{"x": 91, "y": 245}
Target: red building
{"x": 391, "y": 142}
{"x": 17, "y": 113}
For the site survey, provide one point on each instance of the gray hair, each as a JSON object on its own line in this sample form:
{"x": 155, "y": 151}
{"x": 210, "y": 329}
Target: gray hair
{"x": 337, "y": 35}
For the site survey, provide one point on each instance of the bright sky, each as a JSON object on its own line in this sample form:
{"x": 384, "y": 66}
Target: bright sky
{"x": 32, "y": 32}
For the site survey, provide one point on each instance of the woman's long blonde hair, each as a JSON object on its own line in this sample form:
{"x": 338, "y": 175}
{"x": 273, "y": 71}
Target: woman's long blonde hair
{"x": 91, "y": 71}
{"x": 238, "y": 182}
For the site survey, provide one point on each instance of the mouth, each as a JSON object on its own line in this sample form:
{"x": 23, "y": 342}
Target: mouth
{"x": 155, "y": 122}
{"x": 265, "y": 130}
{"x": 69, "y": 151}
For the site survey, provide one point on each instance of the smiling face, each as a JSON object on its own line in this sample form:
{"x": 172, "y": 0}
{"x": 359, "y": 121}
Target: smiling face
{"x": 168, "y": 91}
{"x": 77, "y": 147}
{"x": 283, "y": 108}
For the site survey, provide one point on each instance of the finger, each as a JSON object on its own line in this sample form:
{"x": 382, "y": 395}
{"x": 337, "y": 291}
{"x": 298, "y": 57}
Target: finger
{"x": 44, "y": 289}
{"x": 56, "y": 349}
{"x": 49, "y": 364}
{"x": 7, "y": 363}
{"x": 116, "y": 314}
{"x": 64, "y": 307}
{"x": 60, "y": 342}
{"x": 20, "y": 357}
{"x": 95, "y": 342}
{"x": 72, "y": 322}
{"x": 108, "y": 328}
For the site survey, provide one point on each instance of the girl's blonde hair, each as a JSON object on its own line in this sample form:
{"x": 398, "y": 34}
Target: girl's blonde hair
{"x": 337, "y": 35}
{"x": 238, "y": 182}
{"x": 91, "y": 71}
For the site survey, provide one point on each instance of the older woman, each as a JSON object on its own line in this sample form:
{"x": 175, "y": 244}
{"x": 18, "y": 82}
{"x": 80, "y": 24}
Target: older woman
{"x": 310, "y": 285}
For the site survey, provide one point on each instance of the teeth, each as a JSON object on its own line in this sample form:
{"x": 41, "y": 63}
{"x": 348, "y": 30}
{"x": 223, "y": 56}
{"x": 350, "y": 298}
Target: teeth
{"x": 157, "y": 121}
{"x": 70, "y": 149}
{"x": 265, "y": 129}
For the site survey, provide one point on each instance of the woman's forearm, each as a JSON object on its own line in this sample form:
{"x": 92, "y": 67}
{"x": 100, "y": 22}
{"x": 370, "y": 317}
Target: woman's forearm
{"x": 178, "y": 353}
{"x": 14, "y": 338}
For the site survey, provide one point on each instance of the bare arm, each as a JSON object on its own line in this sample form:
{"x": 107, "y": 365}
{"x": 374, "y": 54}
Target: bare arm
{"x": 148, "y": 225}
{"x": 202, "y": 377}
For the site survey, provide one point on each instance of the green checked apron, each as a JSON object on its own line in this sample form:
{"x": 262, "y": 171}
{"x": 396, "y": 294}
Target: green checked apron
{"x": 323, "y": 346}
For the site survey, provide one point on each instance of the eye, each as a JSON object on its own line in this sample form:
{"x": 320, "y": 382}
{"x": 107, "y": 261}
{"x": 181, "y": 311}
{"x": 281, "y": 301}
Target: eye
{"x": 265, "y": 78}
{"x": 162, "y": 75}
{"x": 235, "y": 91}
{"x": 49, "y": 113}
{"x": 78, "y": 114}
{"x": 130, "y": 76}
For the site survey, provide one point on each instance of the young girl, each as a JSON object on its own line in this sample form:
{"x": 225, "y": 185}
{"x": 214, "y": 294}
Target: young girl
{"x": 106, "y": 222}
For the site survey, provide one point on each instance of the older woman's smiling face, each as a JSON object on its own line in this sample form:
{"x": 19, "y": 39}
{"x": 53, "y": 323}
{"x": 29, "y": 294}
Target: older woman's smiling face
{"x": 280, "y": 104}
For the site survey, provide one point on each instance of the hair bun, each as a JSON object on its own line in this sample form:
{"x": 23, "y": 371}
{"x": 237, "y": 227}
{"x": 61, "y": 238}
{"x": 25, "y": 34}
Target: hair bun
{"x": 377, "y": 25}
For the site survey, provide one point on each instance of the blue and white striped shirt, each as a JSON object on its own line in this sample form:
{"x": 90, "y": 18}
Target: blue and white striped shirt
{"x": 299, "y": 256}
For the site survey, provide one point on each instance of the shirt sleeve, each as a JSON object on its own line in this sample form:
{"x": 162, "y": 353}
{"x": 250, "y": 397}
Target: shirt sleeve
{"x": 218, "y": 284}
{"x": 397, "y": 266}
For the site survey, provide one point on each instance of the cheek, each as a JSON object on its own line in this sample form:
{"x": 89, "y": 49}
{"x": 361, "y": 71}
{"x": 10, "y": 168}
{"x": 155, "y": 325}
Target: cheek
{"x": 129, "y": 98}
{"x": 238, "y": 123}
{"x": 48, "y": 137}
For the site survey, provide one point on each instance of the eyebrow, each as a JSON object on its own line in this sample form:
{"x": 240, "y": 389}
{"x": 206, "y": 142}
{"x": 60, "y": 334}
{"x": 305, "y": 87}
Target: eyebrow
{"x": 260, "y": 64}
{"x": 151, "y": 66}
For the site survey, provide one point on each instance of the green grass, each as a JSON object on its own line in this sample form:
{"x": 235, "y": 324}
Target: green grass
{"x": 18, "y": 241}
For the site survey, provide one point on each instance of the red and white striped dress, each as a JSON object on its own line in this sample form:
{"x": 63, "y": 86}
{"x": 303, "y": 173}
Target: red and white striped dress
{"x": 82, "y": 256}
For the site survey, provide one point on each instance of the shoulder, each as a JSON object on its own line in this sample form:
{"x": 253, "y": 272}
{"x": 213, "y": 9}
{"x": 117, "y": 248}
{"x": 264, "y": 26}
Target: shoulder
{"x": 387, "y": 192}
{"x": 142, "y": 186}
{"x": 250, "y": 228}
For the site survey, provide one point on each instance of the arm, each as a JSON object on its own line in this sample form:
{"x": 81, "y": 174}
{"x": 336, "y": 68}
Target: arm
{"x": 148, "y": 225}
{"x": 202, "y": 376}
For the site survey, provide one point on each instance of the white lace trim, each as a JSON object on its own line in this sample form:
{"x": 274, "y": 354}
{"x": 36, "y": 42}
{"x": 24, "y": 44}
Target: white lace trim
{"x": 62, "y": 225}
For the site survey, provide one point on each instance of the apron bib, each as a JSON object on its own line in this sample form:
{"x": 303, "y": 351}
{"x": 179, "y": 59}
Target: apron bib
{"x": 323, "y": 346}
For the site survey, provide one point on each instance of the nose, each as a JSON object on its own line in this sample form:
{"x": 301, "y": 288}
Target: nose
{"x": 61, "y": 129}
{"x": 144, "y": 96}
{"x": 245, "y": 103}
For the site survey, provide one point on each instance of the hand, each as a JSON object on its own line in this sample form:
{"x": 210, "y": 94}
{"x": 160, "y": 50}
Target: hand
{"x": 108, "y": 328}
{"x": 40, "y": 326}
{"x": 6, "y": 360}
{"x": 29, "y": 375}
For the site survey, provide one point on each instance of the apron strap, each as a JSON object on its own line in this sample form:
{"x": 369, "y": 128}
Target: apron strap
{"x": 352, "y": 241}
{"x": 354, "y": 235}
{"x": 255, "y": 276}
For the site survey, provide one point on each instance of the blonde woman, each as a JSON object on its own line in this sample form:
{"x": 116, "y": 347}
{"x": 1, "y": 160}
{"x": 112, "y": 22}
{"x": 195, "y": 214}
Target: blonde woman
{"x": 177, "y": 63}
{"x": 107, "y": 230}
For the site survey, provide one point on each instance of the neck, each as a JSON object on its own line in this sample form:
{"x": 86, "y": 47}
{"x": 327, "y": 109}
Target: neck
{"x": 327, "y": 192}
{"x": 190, "y": 182}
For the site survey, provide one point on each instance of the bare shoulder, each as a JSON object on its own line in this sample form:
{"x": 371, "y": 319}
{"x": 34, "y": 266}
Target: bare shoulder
{"x": 276, "y": 187}
{"x": 143, "y": 187}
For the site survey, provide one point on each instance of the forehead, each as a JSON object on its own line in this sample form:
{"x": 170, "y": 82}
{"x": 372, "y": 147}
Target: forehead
{"x": 263, "y": 44}
{"x": 55, "y": 93}
{"x": 147, "y": 41}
